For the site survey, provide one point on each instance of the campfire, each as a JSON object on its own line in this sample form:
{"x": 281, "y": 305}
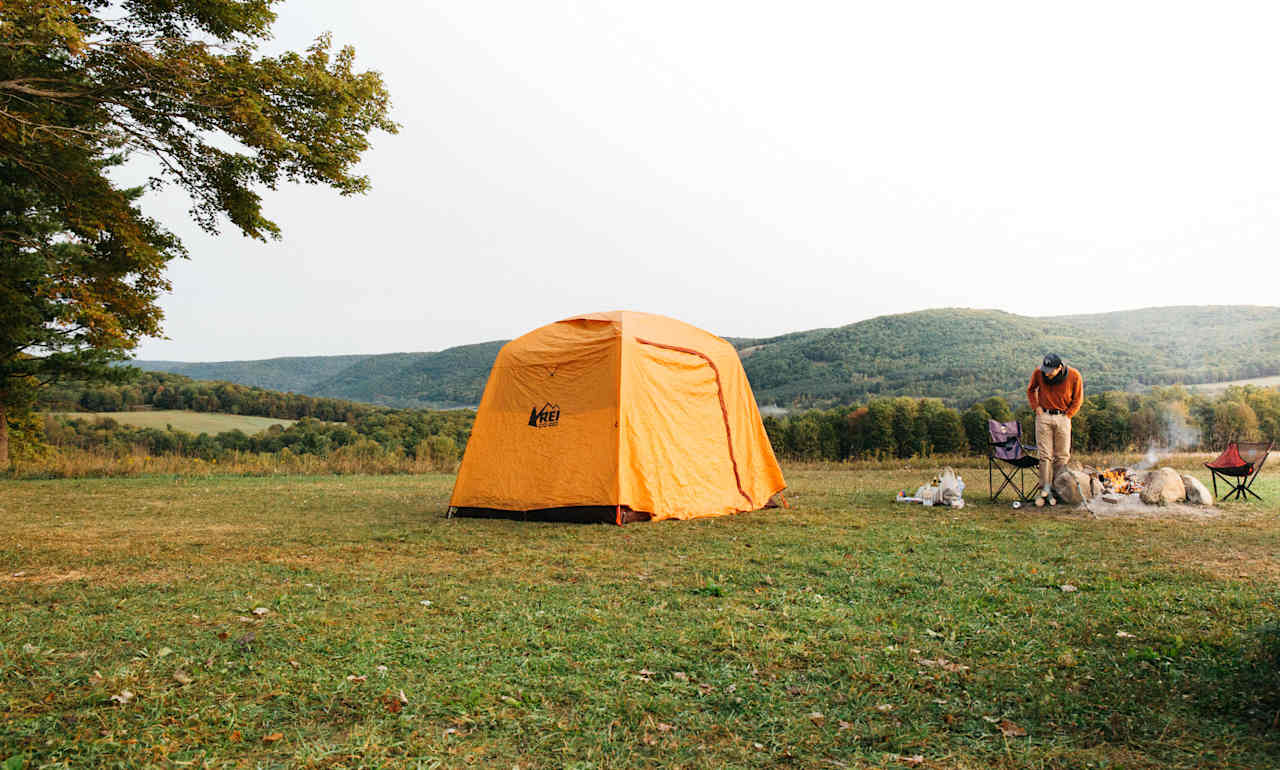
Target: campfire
{"x": 1127, "y": 491}
{"x": 1119, "y": 481}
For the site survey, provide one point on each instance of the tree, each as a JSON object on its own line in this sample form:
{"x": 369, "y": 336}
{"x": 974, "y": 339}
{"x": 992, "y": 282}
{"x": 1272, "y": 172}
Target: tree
{"x": 86, "y": 85}
{"x": 946, "y": 432}
{"x": 975, "y": 428}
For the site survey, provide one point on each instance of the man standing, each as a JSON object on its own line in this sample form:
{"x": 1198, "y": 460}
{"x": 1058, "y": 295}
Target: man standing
{"x": 1055, "y": 393}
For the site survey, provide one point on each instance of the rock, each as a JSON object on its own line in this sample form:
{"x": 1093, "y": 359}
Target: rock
{"x": 1095, "y": 487}
{"x": 1197, "y": 492}
{"x": 1071, "y": 486}
{"x": 1163, "y": 486}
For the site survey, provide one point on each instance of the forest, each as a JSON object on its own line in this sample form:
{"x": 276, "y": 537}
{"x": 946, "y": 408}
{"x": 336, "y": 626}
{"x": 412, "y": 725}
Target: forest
{"x": 1168, "y": 418}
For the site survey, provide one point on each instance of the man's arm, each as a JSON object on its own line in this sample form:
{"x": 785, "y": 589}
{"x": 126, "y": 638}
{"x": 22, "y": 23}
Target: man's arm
{"x": 1077, "y": 395}
{"x": 1033, "y": 392}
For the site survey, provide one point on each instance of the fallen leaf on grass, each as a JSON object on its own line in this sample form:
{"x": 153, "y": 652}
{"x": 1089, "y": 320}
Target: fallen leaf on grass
{"x": 260, "y": 611}
{"x": 357, "y": 679}
{"x": 942, "y": 663}
{"x": 31, "y": 649}
{"x": 122, "y": 698}
{"x": 425, "y": 602}
{"x": 164, "y": 652}
{"x": 758, "y": 746}
{"x": 818, "y": 718}
{"x": 96, "y": 678}
{"x": 846, "y": 725}
{"x": 19, "y": 574}
{"x": 1068, "y": 588}
{"x": 1125, "y": 635}
{"x": 915, "y": 760}
{"x": 451, "y": 731}
{"x": 884, "y": 708}
{"x": 393, "y": 704}
{"x": 272, "y": 738}
{"x": 1010, "y": 729}
{"x": 663, "y": 727}
{"x": 182, "y": 677}
{"x": 293, "y": 663}
{"x": 646, "y": 675}
{"x": 682, "y": 676}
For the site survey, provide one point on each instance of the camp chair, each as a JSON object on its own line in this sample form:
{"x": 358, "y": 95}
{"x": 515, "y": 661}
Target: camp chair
{"x": 1238, "y": 466}
{"x": 1006, "y": 453}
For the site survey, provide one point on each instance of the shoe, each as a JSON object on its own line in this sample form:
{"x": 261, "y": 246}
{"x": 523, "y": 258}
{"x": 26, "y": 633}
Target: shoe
{"x": 1053, "y": 500}
{"x": 1040, "y": 499}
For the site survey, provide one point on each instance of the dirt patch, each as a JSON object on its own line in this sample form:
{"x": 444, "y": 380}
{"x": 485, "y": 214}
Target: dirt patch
{"x": 1231, "y": 563}
{"x": 48, "y": 578}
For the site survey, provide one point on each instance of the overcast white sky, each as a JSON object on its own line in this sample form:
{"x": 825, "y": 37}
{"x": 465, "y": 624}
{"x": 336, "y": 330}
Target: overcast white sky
{"x": 759, "y": 168}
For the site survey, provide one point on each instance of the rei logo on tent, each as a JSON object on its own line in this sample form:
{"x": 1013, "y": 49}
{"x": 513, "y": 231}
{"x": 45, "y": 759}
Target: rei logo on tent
{"x": 546, "y": 417}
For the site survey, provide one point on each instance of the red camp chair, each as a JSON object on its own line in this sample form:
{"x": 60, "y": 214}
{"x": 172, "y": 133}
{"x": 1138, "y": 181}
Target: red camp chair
{"x": 1238, "y": 465}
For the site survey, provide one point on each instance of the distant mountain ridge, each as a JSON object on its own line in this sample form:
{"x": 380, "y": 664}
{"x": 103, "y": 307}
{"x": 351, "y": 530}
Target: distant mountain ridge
{"x": 959, "y": 355}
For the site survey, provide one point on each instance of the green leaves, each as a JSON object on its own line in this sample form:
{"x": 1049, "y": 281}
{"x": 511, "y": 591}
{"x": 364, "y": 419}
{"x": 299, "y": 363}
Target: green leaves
{"x": 84, "y": 86}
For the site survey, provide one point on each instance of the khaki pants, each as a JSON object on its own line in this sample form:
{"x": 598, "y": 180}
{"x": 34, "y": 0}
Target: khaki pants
{"x": 1053, "y": 442}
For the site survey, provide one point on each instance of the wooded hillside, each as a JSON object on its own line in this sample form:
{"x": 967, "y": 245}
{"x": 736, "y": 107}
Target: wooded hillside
{"x": 958, "y": 355}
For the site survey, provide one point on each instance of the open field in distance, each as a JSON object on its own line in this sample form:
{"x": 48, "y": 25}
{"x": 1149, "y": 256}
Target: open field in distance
{"x": 1216, "y": 388}
{"x": 847, "y": 631}
{"x": 185, "y": 420}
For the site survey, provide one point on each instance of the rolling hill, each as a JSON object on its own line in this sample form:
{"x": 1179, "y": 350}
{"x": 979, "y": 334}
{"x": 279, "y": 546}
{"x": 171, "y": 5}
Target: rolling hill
{"x": 959, "y": 355}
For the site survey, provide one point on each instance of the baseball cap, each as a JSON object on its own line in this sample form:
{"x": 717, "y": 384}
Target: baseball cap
{"x": 1051, "y": 362}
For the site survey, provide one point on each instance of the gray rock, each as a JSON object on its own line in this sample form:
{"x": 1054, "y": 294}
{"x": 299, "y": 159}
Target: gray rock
{"x": 1071, "y": 487}
{"x": 1197, "y": 492}
{"x": 1095, "y": 487}
{"x": 1163, "y": 486}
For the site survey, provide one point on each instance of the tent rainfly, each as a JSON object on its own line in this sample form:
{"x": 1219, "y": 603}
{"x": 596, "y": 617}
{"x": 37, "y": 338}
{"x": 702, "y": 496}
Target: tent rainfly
{"x": 618, "y": 416}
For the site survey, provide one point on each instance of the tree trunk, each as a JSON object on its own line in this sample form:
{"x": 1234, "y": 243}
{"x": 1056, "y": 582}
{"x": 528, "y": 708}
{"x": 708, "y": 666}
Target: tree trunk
{"x": 4, "y": 440}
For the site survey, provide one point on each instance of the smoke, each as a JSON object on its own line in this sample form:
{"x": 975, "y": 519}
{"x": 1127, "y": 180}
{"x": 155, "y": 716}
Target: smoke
{"x": 1175, "y": 434}
{"x": 773, "y": 410}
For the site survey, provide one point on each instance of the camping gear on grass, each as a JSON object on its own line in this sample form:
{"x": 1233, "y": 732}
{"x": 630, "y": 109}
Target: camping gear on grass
{"x": 947, "y": 488}
{"x": 1238, "y": 466}
{"x": 1007, "y": 454}
{"x": 619, "y": 416}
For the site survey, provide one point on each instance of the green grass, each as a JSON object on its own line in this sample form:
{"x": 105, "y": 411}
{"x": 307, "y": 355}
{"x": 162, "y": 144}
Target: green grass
{"x": 191, "y": 422}
{"x": 708, "y": 643}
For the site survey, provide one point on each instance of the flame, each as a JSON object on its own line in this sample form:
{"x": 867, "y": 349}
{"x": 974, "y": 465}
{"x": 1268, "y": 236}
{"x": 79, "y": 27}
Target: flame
{"x": 1119, "y": 481}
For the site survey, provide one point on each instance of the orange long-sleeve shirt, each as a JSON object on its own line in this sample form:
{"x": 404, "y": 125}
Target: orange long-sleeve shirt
{"x": 1066, "y": 396}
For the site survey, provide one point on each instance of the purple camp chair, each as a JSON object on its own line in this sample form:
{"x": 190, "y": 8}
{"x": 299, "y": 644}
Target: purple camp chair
{"x": 1006, "y": 453}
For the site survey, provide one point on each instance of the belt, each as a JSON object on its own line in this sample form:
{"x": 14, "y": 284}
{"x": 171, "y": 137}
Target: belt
{"x": 1055, "y": 411}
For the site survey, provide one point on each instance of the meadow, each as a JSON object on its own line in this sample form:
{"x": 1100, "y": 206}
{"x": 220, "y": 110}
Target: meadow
{"x": 343, "y": 621}
{"x": 184, "y": 420}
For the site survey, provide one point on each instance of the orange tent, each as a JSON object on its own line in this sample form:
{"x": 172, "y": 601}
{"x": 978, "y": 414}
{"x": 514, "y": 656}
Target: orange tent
{"x": 624, "y": 416}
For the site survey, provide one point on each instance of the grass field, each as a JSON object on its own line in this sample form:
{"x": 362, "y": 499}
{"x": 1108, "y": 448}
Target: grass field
{"x": 191, "y": 422}
{"x": 845, "y": 632}
{"x": 1217, "y": 388}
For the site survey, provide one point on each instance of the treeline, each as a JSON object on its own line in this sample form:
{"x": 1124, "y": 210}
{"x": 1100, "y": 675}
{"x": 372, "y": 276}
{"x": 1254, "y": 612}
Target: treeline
{"x": 435, "y": 437}
{"x": 1170, "y": 418}
{"x": 901, "y": 427}
{"x": 325, "y": 425}
{"x": 161, "y": 390}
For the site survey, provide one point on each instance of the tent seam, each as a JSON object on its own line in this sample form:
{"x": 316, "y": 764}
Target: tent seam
{"x": 724, "y": 409}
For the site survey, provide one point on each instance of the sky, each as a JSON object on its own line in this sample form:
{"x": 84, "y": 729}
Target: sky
{"x": 758, "y": 168}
